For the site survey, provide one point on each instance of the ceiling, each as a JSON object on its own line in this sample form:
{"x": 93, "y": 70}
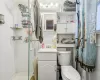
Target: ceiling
{"x": 49, "y": 1}
{"x": 42, "y": 1}
{"x": 45, "y": 3}
{"x": 51, "y": 5}
{"x": 25, "y": 2}
{"x": 53, "y": 1}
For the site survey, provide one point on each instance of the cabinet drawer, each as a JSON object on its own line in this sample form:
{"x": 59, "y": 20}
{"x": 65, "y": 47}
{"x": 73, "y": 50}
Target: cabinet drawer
{"x": 47, "y": 56}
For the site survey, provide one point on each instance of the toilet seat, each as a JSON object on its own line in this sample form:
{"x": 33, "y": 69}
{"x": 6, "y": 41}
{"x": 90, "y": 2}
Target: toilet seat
{"x": 70, "y": 73}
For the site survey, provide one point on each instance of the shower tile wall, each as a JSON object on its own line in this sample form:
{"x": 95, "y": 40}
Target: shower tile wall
{"x": 7, "y": 67}
{"x": 21, "y": 52}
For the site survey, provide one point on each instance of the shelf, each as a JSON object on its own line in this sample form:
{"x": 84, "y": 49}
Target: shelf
{"x": 65, "y": 33}
{"x": 65, "y": 22}
{"x": 16, "y": 38}
{"x": 65, "y": 45}
{"x": 66, "y": 13}
{"x": 16, "y": 28}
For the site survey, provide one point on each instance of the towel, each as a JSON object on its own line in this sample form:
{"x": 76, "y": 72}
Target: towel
{"x": 87, "y": 49}
{"x": 69, "y": 6}
{"x": 32, "y": 78}
{"x": 41, "y": 32}
{"x": 69, "y": 3}
{"x": 35, "y": 67}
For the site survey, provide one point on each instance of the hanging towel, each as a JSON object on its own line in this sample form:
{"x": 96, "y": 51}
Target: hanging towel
{"x": 41, "y": 31}
{"x": 35, "y": 67}
{"x": 41, "y": 35}
{"x": 36, "y": 19}
{"x": 87, "y": 48}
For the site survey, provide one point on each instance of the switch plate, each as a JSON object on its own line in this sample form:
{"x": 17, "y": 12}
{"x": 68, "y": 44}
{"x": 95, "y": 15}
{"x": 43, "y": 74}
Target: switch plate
{"x": 1, "y": 19}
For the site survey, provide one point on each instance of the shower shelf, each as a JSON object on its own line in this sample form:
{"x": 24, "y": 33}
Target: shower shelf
{"x": 16, "y": 38}
{"x": 16, "y": 28}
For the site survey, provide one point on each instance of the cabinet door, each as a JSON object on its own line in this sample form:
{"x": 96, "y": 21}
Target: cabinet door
{"x": 71, "y": 27}
{"x": 61, "y": 28}
{"x": 66, "y": 28}
{"x": 47, "y": 70}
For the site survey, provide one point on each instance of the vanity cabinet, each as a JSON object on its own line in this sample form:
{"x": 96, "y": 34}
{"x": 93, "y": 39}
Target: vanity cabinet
{"x": 47, "y": 70}
{"x": 47, "y": 64}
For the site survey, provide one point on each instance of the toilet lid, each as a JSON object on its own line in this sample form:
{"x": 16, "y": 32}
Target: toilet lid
{"x": 70, "y": 73}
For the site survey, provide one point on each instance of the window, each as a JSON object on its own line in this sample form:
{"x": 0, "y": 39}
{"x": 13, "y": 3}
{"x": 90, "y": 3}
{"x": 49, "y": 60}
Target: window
{"x": 98, "y": 17}
{"x": 49, "y": 24}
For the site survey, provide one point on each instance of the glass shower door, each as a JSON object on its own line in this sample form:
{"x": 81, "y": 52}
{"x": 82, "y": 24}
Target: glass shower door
{"x": 33, "y": 42}
{"x": 30, "y": 46}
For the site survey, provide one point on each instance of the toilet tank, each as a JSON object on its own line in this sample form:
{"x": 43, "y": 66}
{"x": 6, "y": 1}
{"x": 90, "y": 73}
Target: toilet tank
{"x": 64, "y": 58}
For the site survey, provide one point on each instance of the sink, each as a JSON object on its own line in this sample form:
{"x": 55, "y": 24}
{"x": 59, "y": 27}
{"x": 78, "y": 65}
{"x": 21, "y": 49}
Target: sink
{"x": 47, "y": 50}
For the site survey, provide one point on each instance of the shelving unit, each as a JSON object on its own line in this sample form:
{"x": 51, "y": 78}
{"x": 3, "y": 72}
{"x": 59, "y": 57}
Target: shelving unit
{"x": 65, "y": 28}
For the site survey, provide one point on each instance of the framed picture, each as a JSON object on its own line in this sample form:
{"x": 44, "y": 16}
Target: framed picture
{"x": 49, "y": 24}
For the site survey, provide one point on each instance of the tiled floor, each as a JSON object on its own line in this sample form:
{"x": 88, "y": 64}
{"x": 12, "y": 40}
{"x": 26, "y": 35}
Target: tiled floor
{"x": 20, "y": 76}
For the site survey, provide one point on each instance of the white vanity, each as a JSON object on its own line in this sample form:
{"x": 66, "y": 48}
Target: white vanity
{"x": 47, "y": 64}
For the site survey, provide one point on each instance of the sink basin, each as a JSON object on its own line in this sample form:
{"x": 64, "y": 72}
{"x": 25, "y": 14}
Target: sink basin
{"x": 47, "y": 50}
{"x": 47, "y": 54}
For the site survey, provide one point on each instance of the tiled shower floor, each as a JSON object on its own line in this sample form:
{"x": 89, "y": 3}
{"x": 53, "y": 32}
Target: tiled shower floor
{"x": 20, "y": 76}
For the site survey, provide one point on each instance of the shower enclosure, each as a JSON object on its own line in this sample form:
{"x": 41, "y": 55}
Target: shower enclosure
{"x": 18, "y": 44}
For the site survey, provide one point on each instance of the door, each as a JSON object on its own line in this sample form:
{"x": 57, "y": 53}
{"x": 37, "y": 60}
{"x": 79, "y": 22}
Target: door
{"x": 47, "y": 70}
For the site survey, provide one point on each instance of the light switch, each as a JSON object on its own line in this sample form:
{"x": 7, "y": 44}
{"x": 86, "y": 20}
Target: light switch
{"x": 1, "y": 19}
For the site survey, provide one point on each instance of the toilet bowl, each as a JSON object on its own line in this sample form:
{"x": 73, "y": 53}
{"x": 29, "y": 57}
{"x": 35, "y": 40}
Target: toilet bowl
{"x": 67, "y": 71}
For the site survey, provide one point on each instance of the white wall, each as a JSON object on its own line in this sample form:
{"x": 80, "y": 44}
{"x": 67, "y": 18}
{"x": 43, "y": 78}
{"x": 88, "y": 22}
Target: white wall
{"x": 48, "y": 35}
{"x": 21, "y": 52}
{"x": 21, "y": 48}
{"x": 7, "y": 68}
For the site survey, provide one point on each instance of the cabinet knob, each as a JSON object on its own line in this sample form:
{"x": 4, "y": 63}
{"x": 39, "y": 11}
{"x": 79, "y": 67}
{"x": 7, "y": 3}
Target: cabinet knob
{"x": 66, "y": 29}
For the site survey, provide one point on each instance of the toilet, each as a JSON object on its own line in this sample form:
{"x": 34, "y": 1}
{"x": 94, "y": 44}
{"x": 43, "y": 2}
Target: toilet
{"x": 67, "y": 71}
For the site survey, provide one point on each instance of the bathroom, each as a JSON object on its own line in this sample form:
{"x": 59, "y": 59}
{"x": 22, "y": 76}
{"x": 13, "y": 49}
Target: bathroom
{"x": 39, "y": 39}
